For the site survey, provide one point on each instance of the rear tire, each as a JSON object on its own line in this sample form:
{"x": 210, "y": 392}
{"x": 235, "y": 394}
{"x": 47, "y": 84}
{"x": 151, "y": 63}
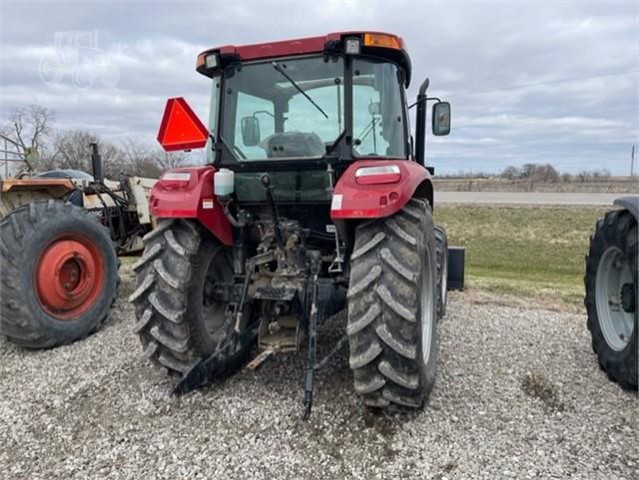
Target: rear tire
{"x": 59, "y": 274}
{"x": 392, "y": 308}
{"x": 611, "y": 296}
{"x": 177, "y": 320}
{"x": 441, "y": 247}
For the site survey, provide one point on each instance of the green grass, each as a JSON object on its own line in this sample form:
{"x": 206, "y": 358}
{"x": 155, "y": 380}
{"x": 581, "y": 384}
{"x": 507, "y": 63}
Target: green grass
{"x": 526, "y": 252}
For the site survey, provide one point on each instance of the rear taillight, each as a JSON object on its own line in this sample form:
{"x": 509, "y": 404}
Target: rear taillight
{"x": 175, "y": 180}
{"x": 378, "y": 175}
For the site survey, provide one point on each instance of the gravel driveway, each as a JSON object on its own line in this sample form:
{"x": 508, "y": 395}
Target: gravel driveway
{"x": 518, "y": 394}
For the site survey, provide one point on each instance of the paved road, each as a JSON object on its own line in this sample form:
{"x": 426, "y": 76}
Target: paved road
{"x": 526, "y": 198}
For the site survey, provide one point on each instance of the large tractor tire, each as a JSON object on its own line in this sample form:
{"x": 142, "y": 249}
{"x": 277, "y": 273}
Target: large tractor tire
{"x": 611, "y": 296}
{"x": 179, "y": 320}
{"x": 441, "y": 248}
{"x": 392, "y": 310}
{"x": 59, "y": 274}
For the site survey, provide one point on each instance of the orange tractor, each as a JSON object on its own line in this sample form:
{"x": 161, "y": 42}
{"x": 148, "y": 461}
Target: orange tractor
{"x": 58, "y": 247}
{"x": 316, "y": 198}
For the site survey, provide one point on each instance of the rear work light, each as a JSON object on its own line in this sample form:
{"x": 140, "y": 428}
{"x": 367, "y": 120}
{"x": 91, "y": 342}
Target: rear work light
{"x": 381, "y": 40}
{"x": 211, "y": 60}
{"x": 378, "y": 175}
{"x": 207, "y": 60}
{"x": 352, "y": 45}
{"x": 175, "y": 180}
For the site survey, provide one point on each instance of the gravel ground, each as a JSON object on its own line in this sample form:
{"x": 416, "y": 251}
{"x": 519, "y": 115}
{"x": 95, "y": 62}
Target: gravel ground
{"x": 518, "y": 394}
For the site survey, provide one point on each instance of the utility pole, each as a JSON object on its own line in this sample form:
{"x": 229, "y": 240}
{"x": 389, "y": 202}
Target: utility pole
{"x": 632, "y": 162}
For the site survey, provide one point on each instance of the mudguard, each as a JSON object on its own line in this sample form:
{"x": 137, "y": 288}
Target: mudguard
{"x": 630, "y": 203}
{"x": 190, "y": 196}
{"x": 354, "y": 200}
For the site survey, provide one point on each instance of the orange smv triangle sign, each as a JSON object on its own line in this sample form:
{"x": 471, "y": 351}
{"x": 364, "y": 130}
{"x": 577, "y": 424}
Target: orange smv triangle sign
{"x": 181, "y": 129}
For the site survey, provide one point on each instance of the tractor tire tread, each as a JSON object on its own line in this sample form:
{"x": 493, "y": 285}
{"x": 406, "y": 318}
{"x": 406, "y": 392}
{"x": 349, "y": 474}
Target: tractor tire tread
{"x": 382, "y": 326}
{"x": 617, "y": 228}
{"x": 165, "y": 319}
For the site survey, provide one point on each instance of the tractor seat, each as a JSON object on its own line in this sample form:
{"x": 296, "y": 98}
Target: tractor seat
{"x": 293, "y": 144}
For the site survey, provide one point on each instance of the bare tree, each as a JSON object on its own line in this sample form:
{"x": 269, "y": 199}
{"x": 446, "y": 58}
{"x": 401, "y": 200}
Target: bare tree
{"x": 167, "y": 160}
{"x": 27, "y": 130}
{"x": 539, "y": 173}
{"x": 546, "y": 173}
{"x": 511, "y": 173}
{"x": 73, "y": 150}
{"x": 139, "y": 159}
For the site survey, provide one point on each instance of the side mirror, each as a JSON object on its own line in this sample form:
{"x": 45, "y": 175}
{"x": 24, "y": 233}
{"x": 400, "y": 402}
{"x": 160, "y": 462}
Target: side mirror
{"x": 441, "y": 119}
{"x": 250, "y": 131}
{"x": 374, "y": 108}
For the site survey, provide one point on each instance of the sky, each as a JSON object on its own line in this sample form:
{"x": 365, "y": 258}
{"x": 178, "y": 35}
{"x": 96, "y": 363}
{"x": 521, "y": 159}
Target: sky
{"x": 529, "y": 81}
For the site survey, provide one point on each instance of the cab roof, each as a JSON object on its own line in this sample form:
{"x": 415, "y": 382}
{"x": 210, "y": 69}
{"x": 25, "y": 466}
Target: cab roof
{"x": 332, "y": 42}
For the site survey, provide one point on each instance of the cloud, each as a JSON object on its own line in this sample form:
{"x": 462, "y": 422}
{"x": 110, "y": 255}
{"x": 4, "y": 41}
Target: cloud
{"x": 464, "y": 48}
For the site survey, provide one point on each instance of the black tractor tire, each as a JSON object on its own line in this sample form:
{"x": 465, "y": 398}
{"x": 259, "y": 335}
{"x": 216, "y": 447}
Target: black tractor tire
{"x": 392, "y": 308}
{"x": 615, "y": 234}
{"x": 441, "y": 248}
{"x": 59, "y": 274}
{"x": 174, "y": 325}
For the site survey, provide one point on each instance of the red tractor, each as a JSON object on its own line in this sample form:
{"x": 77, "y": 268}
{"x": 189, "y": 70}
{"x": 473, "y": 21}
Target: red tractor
{"x": 315, "y": 198}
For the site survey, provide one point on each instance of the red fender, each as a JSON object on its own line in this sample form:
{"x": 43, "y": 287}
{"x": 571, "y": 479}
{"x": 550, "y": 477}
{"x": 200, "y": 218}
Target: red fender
{"x": 188, "y": 193}
{"x": 376, "y": 200}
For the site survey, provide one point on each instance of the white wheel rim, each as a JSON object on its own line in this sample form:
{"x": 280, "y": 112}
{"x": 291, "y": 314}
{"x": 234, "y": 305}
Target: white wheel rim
{"x": 616, "y": 324}
{"x": 426, "y": 305}
{"x": 444, "y": 285}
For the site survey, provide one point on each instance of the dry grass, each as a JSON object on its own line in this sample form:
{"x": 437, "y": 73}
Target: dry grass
{"x": 593, "y": 185}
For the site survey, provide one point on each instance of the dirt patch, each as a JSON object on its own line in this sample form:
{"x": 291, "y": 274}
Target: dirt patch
{"x": 536, "y": 385}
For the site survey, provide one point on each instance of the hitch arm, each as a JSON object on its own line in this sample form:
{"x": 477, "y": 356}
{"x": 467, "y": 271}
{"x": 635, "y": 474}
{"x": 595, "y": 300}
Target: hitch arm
{"x": 201, "y": 371}
{"x": 312, "y": 337}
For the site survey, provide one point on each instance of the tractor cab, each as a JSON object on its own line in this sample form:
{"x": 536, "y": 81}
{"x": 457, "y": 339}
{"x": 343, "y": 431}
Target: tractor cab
{"x": 305, "y": 107}
{"x": 296, "y": 105}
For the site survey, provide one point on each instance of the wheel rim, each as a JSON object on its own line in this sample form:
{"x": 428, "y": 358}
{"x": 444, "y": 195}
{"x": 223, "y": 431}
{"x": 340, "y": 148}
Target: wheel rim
{"x": 219, "y": 272}
{"x": 444, "y": 286}
{"x": 426, "y": 305}
{"x": 616, "y": 324}
{"x": 69, "y": 277}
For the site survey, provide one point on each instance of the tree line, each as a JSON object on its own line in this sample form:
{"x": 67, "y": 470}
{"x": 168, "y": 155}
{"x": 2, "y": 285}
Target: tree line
{"x": 546, "y": 173}
{"x": 536, "y": 172}
{"x": 31, "y": 135}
